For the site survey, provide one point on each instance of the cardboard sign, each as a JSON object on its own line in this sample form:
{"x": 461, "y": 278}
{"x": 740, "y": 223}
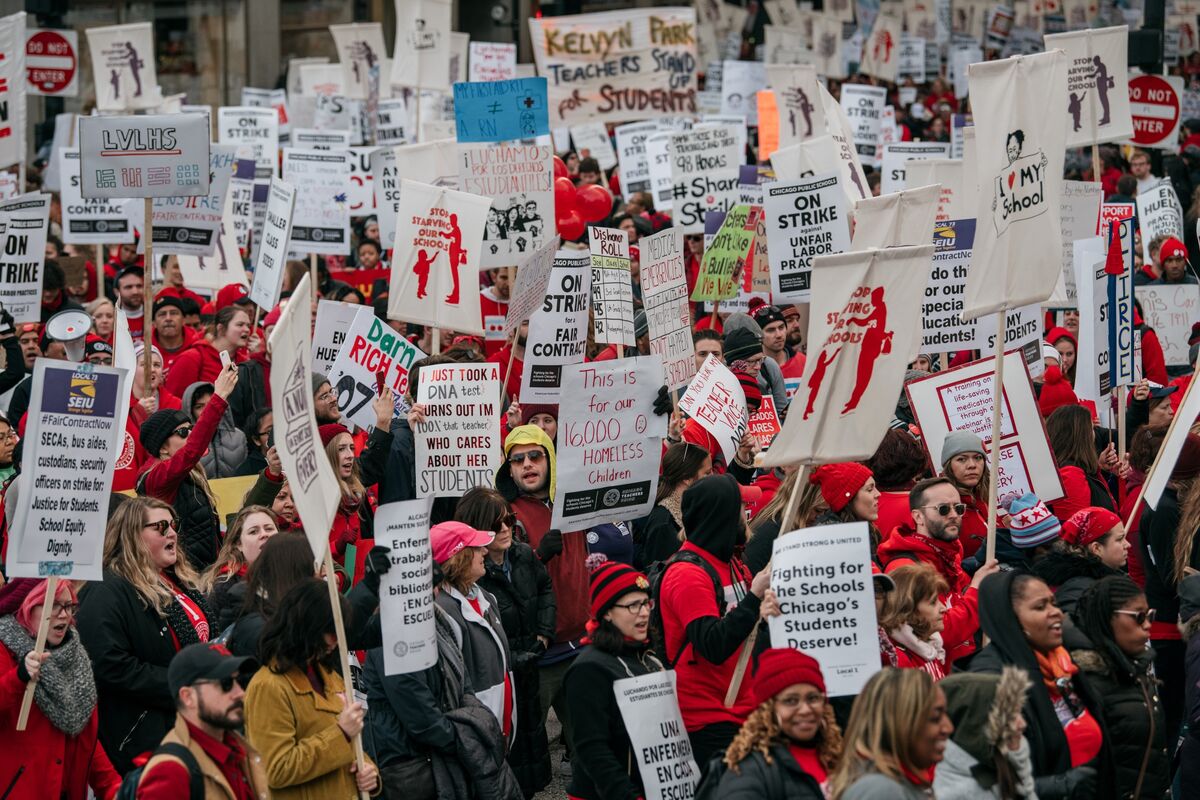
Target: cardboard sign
{"x": 558, "y": 330}
{"x": 863, "y": 106}
{"x": 1097, "y": 87}
{"x": 334, "y": 319}
{"x": 610, "y": 442}
{"x": 405, "y": 593}
{"x": 665, "y": 300}
{"x": 726, "y": 256}
{"x": 822, "y": 577}
{"x": 23, "y": 224}
{"x": 147, "y": 156}
{"x": 896, "y": 156}
{"x": 1171, "y": 310}
{"x": 74, "y": 439}
{"x": 392, "y": 125}
{"x": 272, "y": 253}
{"x": 501, "y": 110}
{"x": 1159, "y": 214}
{"x": 612, "y": 290}
{"x": 91, "y": 221}
{"x": 518, "y": 178}
{"x": 804, "y": 220}
{"x": 192, "y": 225}
{"x": 361, "y": 52}
{"x": 591, "y": 139}
{"x": 370, "y": 347}
{"x": 458, "y": 446}
{"x": 123, "y": 67}
{"x": 716, "y": 401}
{"x": 529, "y": 288}
{"x": 321, "y": 219}
{"x": 492, "y": 61}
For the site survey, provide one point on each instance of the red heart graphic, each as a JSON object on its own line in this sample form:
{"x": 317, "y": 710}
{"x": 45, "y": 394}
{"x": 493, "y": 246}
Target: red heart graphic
{"x": 1012, "y": 176}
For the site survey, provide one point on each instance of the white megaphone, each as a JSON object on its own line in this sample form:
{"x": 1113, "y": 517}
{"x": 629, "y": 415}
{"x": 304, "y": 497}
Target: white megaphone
{"x": 71, "y": 328}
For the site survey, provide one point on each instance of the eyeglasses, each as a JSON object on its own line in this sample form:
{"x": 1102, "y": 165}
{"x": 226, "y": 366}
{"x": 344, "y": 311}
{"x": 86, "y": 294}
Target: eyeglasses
{"x": 943, "y": 509}
{"x": 68, "y": 608}
{"x": 637, "y": 606}
{"x": 163, "y": 524}
{"x": 1140, "y": 618}
{"x": 182, "y": 433}
{"x": 813, "y": 700}
{"x": 534, "y": 456}
{"x": 507, "y": 521}
{"x": 227, "y": 682}
{"x": 325, "y": 396}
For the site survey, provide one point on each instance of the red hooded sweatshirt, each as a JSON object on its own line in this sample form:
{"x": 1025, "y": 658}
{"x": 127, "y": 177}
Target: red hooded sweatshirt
{"x": 199, "y": 362}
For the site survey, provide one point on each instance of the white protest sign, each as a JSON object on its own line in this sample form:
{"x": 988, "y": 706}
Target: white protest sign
{"x": 1159, "y": 214}
{"x": 665, "y": 300}
{"x": 15, "y": 83}
{"x": 1171, "y": 309}
{"x": 740, "y": 84}
{"x": 392, "y": 125}
{"x": 73, "y": 438}
{"x": 1157, "y": 481}
{"x": 1097, "y": 90}
{"x": 943, "y": 329}
{"x": 1079, "y": 209}
{"x": 822, "y": 577}
{"x": 609, "y": 442}
{"x": 23, "y": 223}
{"x": 863, "y": 106}
{"x": 220, "y": 269}
{"x": 192, "y": 225}
{"x": 518, "y": 178}
{"x": 422, "y": 53}
{"x": 715, "y": 399}
{"x": 558, "y": 330}
{"x": 458, "y": 444}
{"x": 257, "y": 127}
{"x": 896, "y": 156}
{"x": 591, "y": 139}
{"x": 123, "y": 67}
{"x": 334, "y": 319}
{"x": 658, "y": 163}
{"x": 880, "y": 53}
{"x": 370, "y": 348}
{"x": 956, "y": 199}
{"x": 361, "y": 49}
{"x": 632, "y": 164}
{"x": 804, "y": 219}
{"x": 270, "y": 98}
{"x": 704, "y": 173}
{"x": 321, "y": 219}
{"x": 361, "y": 198}
{"x": 1022, "y": 331}
{"x": 273, "y": 250}
{"x": 314, "y": 139}
{"x": 406, "y": 590}
{"x": 612, "y": 289}
{"x": 239, "y": 213}
{"x": 650, "y": 710}
{"x": 1093, "y": 376}
{"x": 96, "y": 221}
{"x": 492, "y": 61}
{"x": 903, "y": 218}
{"x": 148, "y": 156}
{"x": 435, "y": 163}
{"x": 529, "y": 288}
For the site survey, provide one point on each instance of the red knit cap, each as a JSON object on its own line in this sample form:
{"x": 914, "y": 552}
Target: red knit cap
{"x": 840, "y": 482}
{"x": 610, "y": 581}
{"x": 1087, "y": 525}
{"x": 780, "y": 668}
{"x": 1056, "y": 392}
{"x": 750, "y": 388}
{"x": 330, "y": 432}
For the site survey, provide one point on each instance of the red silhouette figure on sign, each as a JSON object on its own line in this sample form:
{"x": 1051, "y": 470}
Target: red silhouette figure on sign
{"x": 457, "y": 256}
{"x": 814, "y": 383}
{"x": 876, "y": 342}
{"x": 421, "y": 268}
{"x": 884, "y": 41}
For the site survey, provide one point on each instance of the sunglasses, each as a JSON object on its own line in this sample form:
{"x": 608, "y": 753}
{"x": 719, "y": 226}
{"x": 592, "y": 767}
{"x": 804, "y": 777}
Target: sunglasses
{"x": 507, "y": 521}
{"x": 1139, "y": 617}
{"x": 182, "y": 433}
{"x": 534, "y": 456}
{"x": 227, "y": 682}
{"x": 163, "y": 525}
{"x": 944, "y": 508}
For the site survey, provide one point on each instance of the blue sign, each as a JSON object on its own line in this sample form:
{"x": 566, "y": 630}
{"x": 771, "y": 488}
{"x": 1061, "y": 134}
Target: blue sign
{"x": 497, "y": 111}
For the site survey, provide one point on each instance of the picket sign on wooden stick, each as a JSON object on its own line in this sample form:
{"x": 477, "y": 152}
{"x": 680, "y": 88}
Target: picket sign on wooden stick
{"x": 147, "y": 289}
{"x": 1122, "y": 399}
{"x": 997, "y": 397}
{"x": 712, "y": 321}
{"x": 339, "y": 626}
{"x": 312, "y": 276}
{"x": 40, "y": 645}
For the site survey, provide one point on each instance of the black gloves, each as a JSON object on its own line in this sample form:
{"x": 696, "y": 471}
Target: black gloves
{"x": 662, "y": 403}
{"x": 550, "y": 546}
{"x": 1074, "y": 784}
{"x": 7, "y": 325}
{"x": 377, "y": 563}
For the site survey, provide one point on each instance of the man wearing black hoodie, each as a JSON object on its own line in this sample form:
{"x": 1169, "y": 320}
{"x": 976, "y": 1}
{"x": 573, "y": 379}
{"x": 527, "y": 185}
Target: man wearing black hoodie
{"x": 709, "y": 605}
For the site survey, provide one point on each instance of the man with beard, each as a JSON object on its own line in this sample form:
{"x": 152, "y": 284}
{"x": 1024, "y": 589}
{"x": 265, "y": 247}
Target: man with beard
{"x": 130, "y": 300}
{"x": 932, "y": 539}
{"x": 171, "y": 336}
{"x": 203, "y": 749}
{"x": 795, "y": 331}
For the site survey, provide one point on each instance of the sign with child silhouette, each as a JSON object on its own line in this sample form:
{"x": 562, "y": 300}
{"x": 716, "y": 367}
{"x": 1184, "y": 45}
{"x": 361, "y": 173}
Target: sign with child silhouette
{"x": 123, "y": 66}
{"x": 1097, "y": 87}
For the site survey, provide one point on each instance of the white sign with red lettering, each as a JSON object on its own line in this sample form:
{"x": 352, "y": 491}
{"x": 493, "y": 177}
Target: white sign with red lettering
{"x": 493, "y": 61}
{"x": 716, "y": 401}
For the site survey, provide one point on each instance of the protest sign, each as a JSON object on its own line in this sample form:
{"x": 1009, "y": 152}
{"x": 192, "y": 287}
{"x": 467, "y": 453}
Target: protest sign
{"x": 822, "y": 577}
{"x": 726, "y": 256}
{"x": 321, "y": 218}
{"x": 337, "y": 112}
{"x": 558, "y": 330}
{"x": 1093, "y": 376}
{"x": 704, "y": 174}
{"x": 1097, "y": 87}
{"x": 192, "y": 225}
{"x": 632, "y": 163}
{"x": 1079, "y": 209}
{"x": 828, "y": 47}
{"x": 865, "y": 325}
{"x": 1170, "y": 310}
{"x": 942, "y": 327}
{"x": 518, "y": 178}
{"x": 23, "y": 224}
{"x": 896, "y": 157}
{"x": 904, "y": 218}
{"x": 123, "y": 67}
{"x": 881, "y": 50}
{"x": 804, "y": 220}
{"x": 314, "y": 488}
{"x": 435, "y": 163}
{"x": 591, "y": 139}
{"x": 863, "y": 106}
{"x": 1022, "y": 331}
{"x": 405, "y": 600}
{"x": 960, "y": 399}
{"x": 239, "y": 203}
{"x": 741, "y": 81}
{"x": 334, "y": 319}
{"x": 492, "y": 61}
{"x": 220, "y": 269}
{"x": 764, "y": 423}
{"x": 665, "y": 300}
{"x": 270, "y": 98}
{"x": 658, "y": 161}
{"x": 392, "y": 124}
{"x": 422, "y": 53}
{"x": 1020, "y": 149}
{"x": 498, "y": 111}
{"x": 529, "y": 288}
{"x": 955, "y": 199}
{"x": 361, "y": 198}
{"x": 361, "y": 49}
{"x": 1122, "y": 340}
{"x": 73, "y": 439}
{"x": 715, "y": 399}
{"x": 272, "y": 252}
{"x": 812, "y": 156}
{"x": 13, "y": 86}
{"x": 610, "y": 442}
{"x": 439, "y": 234}
{"x": 370, "y": 347}
{"x": 146, "y": 156}
{"x": 801, "y": 116}
{"x": 650, "y": 711}
{"x": 612, "y": 289}
{"x": 458, "y": 444}
{"x": 617, "y": 66}
{"x": 1159, "y": 214}
{"x": 910, "y": 61}
{"x": 313, "y": 139}
{"x": 256, "y": 127}
{"x": 91, "y": 221}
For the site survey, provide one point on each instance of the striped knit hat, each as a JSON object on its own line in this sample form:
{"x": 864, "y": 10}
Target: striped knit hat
{"x": 612, "y": 580}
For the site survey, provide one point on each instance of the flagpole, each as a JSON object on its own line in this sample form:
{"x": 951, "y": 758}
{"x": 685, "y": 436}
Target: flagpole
{"x": 997, "y": 397}
{"x": 339, "y": 626}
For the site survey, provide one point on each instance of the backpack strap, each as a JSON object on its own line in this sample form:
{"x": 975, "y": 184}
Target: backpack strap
{"x": 688, "y": 557}
{"x": 195, "y": 776}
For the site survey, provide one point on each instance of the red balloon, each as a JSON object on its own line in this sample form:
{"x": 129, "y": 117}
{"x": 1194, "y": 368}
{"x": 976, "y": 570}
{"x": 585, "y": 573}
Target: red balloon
{"x": 570, "y": 226}
{"x": 560, "y": 168}
{"x": 565, "y": 195}
{"x": 594, "y": 202}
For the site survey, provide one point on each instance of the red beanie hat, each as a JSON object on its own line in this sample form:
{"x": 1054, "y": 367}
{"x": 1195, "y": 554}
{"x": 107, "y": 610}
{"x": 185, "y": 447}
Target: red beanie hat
{"x": 840, "y": 482}
{"x": 330, "y": 432}
{"x": 1087, "y": 525}
{"x": 779, "y": 668}
{"x": 610, "y": 581}
{"x": 751, "y": 389}
{"x": 1056, "y": 392}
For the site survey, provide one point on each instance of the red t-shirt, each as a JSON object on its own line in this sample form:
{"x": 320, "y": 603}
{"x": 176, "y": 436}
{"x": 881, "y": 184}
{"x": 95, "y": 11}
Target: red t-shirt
{"x": 1084, "y": 736}
{"x": 687, "y": 595}
{"x": 809, "y": 761}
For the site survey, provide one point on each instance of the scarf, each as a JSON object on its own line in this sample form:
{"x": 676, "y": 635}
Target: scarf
{"x": 887, "y": 649}
{"x": 930, "y": 650}
{"x": 1054, "y": 666}
{"x": 674, "y": 505}
{"x": 177, "y": 618}
{"x": 65, "y": 691}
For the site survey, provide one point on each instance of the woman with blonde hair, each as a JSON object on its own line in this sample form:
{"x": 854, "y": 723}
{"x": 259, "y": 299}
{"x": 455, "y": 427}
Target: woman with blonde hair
{"x": 896, "y": 736}
{"x": 912, "y": 617}
{"x": 132, "y": 623}
{"x": 244, "y": 540}
{"x": 791, "y": 742}
{"x": 104, "y": 317}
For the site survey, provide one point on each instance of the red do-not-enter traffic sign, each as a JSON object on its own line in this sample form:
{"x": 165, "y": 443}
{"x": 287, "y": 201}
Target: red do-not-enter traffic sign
{"x": 51, "y": 62}
{"x": 1155, "y": 103}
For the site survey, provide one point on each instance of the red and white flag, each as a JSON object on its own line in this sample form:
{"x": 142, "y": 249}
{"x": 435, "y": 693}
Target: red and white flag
{"x": 881, "y": 49}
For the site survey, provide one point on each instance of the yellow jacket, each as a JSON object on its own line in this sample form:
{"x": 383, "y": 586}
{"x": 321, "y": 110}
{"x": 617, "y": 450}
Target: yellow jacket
{"x": 304, "y": 752}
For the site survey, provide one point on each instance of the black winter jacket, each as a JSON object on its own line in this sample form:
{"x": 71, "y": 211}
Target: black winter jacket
{"x": 250, "y": 394}
{"x": 758, "y": 780}
{"x": 200, "y": 529}
{"x": 658, "y": 540}
{"x": 1156, "y": 539}
{"x": 1070, "y": 575}
{"x": 408, "y": 712}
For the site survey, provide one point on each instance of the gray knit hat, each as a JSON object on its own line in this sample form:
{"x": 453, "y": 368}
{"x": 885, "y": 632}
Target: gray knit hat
{"x": 957, "y": 442}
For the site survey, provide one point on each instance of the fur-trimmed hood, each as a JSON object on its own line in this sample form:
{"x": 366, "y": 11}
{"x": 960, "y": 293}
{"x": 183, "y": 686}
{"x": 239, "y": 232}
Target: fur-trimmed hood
{"x": 1189, "y": 628}
{"x": 984, "y": 708}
